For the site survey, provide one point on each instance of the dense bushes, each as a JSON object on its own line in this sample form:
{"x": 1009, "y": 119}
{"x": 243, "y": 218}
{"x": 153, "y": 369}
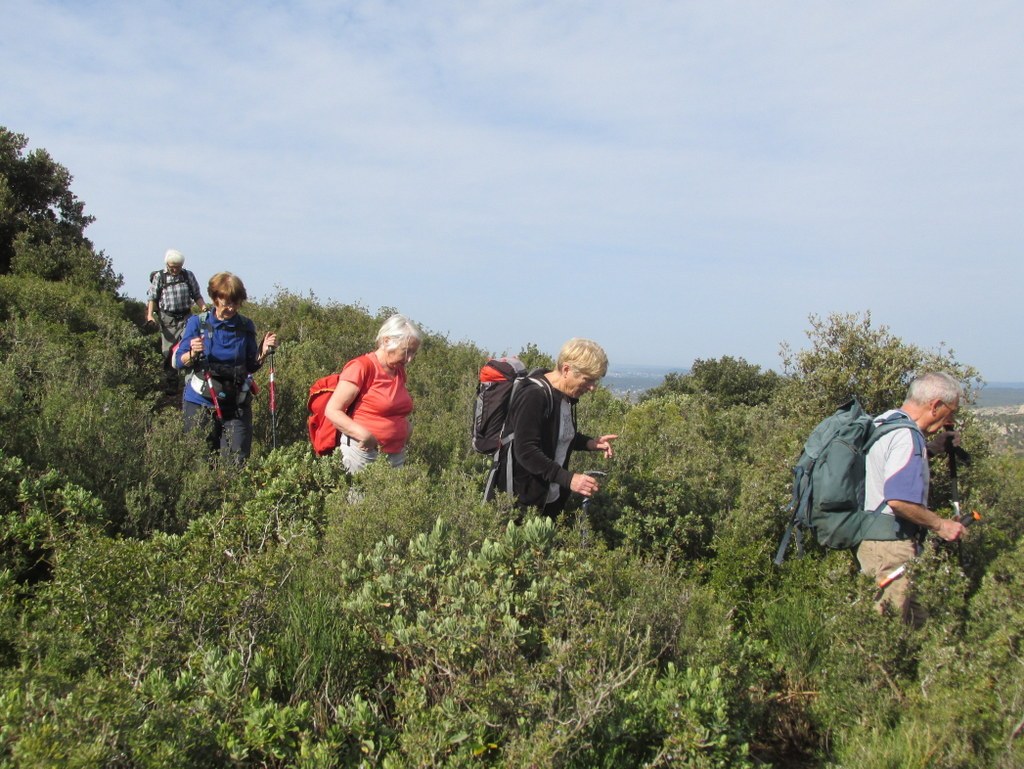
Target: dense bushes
{"x": 159, "y": 609}
{"x": 162, "y": 610}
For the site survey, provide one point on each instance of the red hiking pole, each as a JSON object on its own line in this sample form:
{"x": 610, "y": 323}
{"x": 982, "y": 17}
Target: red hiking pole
{"x": 218, "y": 415}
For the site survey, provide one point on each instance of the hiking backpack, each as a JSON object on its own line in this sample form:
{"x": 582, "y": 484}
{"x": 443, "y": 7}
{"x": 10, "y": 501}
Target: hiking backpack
{"x": 828, "y": 480}
{"x": 161, "y": 281}
{"x": 499, "y": 379}
{"x": 322, "y": 433}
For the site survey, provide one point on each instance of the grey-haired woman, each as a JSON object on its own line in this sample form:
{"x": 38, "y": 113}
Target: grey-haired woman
{"x": 371, "y": 405}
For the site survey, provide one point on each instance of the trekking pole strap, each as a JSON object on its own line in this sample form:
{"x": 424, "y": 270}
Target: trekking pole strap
{"x": 792, "y": 528}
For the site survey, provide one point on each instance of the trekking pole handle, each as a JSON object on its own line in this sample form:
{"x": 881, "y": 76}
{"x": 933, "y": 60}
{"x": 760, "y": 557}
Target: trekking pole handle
{"x": 965, "y": 518}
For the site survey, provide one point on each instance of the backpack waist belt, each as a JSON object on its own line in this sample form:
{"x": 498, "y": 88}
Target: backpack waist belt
{"x": 888, "y": 528}
{"x": 176, "y": 314}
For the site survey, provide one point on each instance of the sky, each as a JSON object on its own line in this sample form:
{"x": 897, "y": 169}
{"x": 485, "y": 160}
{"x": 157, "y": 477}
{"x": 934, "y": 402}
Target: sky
{"x": 674, "y": 179}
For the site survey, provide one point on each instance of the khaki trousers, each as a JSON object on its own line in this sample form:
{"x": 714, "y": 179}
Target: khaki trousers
{"x": 879, "y": 559}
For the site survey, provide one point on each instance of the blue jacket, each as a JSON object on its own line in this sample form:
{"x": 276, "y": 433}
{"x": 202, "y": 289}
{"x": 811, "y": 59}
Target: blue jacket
{"x": 226, "y": 343}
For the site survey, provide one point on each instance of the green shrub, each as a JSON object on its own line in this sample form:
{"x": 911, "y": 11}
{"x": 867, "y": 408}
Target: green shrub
{"x": 680, "y": 477}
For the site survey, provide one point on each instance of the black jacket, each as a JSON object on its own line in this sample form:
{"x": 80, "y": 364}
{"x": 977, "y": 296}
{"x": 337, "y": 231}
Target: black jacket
{"x": 534, "y": 415}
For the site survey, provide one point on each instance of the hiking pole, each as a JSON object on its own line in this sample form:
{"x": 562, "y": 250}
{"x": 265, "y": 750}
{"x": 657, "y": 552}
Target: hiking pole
{"x": 208, "y": 378}
{"x": 593, "y": 474}
{"x": 273, "y": 398}
{"x": 963, "y": 517}
{"x": 890, "y": 578}
{"x": 954, "y": 494}
{"x": 582, "y": 520}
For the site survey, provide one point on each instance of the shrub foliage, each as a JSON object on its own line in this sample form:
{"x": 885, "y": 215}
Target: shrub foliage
{"x": 160, "y": 609}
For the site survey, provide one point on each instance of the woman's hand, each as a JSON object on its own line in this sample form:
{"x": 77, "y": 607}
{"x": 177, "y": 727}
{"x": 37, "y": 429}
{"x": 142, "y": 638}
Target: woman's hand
{"x": 604, "y": 443}
{"x": 583, "y": 484}
{"x": 269, "y": 341}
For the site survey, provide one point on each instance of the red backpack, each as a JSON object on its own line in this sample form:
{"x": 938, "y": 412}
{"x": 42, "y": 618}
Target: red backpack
{"x": 322, "y": 433}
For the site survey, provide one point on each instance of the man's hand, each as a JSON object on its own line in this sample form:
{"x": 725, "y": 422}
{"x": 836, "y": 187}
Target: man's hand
{"x": 948, "y": 442}
{"x": 946, "y": 528}
{"x": 939, "y": 444}
{"x": 950, "y": 530}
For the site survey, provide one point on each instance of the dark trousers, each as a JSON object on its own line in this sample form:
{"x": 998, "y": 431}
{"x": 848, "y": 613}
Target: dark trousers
{"x": 231, "y": 436}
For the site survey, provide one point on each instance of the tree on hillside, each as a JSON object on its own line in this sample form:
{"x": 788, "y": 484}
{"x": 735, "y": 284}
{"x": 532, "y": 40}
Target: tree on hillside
{"x": 731, "y": 381}
{"x": 42, "y": 222}
{"x": 848, "y": 356}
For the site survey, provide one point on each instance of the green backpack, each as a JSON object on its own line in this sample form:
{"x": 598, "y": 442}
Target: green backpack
{"x": 828, "y": 481}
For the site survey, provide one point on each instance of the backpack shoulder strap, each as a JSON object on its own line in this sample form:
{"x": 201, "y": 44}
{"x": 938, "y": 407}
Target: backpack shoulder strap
{"x": 537, "y": 377}
{"x": 190, "y": 281}
{"x": 893, "y": 422}
{"x": 159, "y": 274}
{"x": 542, "y": 382}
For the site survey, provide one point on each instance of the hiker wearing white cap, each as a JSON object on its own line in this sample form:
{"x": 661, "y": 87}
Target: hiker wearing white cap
{"x": 172, "y": 292}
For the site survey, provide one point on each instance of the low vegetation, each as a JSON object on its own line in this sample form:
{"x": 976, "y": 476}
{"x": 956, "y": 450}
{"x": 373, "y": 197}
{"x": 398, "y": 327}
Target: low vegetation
{"x": 160, "y": 610}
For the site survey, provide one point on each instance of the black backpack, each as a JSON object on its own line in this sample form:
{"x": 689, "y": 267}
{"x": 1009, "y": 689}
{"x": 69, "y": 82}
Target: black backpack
{"x": 828, "y": 481}
{"x": 499, "y": 380}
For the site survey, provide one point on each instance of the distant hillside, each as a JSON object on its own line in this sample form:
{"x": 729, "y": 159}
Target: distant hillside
{"x": 1002, "y": 407}
{"x": 1001, "y": 394}
{"x": 625, "y": 378}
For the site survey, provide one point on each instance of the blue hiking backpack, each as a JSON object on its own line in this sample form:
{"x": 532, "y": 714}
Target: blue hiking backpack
{"x": 828, "y": 481}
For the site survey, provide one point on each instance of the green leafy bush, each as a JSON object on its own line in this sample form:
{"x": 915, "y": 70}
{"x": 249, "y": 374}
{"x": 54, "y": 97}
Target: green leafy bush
{"x": 159, "y": 608}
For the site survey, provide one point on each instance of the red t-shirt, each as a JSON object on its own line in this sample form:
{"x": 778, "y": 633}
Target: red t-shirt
{"x": 383, "y": 402}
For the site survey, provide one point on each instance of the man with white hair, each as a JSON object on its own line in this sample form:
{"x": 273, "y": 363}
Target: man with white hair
{"x": 172, "y": 292}
{"x": 897, "y": 484}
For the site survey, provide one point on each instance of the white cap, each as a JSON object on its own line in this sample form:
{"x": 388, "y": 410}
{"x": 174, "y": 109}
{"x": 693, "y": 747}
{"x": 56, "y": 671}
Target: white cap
{"x": 174, "y": 256}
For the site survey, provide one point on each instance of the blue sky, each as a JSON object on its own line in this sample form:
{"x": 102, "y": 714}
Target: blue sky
{"x": 676, "y": 180}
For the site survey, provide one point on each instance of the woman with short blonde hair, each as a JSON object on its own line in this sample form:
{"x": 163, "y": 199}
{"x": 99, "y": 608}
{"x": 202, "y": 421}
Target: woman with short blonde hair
{"x": 585, "y": 356}
{"x": 542, "y": 421}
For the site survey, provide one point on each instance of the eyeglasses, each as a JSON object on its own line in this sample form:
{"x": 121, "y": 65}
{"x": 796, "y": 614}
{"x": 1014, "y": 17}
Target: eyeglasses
{"x": 950, "y": 412}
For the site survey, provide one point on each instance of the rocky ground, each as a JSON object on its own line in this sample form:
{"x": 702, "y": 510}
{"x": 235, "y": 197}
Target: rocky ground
{"x": 1007, "y": 424}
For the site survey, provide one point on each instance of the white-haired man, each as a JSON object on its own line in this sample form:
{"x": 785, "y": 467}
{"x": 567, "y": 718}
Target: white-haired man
{"x": 897, "y": 480}
{"x": 172, "y": 292}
